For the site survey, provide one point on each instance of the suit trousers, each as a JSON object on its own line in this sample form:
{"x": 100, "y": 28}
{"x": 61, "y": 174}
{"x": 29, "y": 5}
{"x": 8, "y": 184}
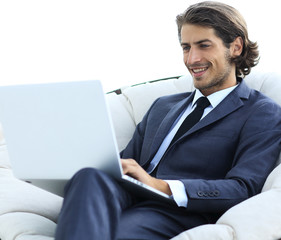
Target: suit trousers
{"x": 96, "y": 207}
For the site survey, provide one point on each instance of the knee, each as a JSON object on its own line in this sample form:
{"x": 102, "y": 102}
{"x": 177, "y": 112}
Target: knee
{"x": 84, "y": 178}
{"x": 88, "y": 175}
{"x": 92, "y": 176}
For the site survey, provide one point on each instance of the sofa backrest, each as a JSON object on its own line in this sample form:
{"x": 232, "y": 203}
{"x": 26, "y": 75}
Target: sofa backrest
{"x": 4, "y": 158}
{"x": 129, "y": 107}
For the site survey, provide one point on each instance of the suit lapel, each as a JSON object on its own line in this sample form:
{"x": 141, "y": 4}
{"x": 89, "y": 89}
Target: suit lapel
{"x": 167, "y": 123}
{"x": 230, "y": 104}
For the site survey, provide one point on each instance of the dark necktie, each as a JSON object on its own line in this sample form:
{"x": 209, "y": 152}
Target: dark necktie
{"x": 192, "y": 118}
{"x": 189, "y": 122}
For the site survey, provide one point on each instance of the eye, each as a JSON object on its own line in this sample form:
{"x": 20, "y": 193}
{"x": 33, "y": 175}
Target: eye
{"x": 185, "y": 48}
{"x": 204, "y": 45}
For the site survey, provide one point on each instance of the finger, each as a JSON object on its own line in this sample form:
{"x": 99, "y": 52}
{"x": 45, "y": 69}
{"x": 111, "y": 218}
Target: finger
{"x": 128, "y": 165}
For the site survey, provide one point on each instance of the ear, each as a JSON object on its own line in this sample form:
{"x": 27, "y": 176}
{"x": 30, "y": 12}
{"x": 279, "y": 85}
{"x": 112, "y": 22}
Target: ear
{"x": 237, "y": 47}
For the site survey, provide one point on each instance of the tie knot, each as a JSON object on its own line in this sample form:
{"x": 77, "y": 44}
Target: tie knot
{"x": 202, "y": 102}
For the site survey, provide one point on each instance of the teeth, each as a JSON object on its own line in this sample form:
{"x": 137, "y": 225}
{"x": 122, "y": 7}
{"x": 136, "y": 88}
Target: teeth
{"x": 199, "y": 70}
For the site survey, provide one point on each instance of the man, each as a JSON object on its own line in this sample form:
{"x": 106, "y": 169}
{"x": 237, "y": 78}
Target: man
{"x": 207, "y": 167}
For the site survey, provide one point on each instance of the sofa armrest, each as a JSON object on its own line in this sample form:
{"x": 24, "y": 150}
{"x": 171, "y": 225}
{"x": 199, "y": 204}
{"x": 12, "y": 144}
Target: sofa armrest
{"x": 19, "y": 196}
{"x": 21, "y": 225}
{"x": 256, "y": 218}
{"x": 26, "y": 209}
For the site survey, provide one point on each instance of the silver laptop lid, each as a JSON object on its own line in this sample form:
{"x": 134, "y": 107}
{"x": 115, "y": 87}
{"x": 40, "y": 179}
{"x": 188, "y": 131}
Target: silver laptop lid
{"x": 53, "y": 130}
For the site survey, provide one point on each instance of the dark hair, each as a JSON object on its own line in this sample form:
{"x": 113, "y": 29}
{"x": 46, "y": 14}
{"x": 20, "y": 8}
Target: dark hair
{"x": 228, "y": 24}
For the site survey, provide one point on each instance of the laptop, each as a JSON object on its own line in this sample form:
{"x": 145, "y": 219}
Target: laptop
{"x": 53, "y": 130}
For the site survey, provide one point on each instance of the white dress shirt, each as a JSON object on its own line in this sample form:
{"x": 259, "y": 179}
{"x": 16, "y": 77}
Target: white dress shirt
{"x": 176, "y": 186}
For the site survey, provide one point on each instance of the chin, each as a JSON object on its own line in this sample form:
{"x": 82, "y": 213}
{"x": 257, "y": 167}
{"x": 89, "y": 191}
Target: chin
{"x": 199, "y": 83}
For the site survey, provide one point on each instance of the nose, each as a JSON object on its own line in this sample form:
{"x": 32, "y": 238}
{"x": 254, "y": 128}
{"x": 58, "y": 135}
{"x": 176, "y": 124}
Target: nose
{"x": 193, "y": 56}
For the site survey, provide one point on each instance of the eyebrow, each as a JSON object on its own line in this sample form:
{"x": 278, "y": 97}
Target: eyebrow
{"x": 198, "y": 42}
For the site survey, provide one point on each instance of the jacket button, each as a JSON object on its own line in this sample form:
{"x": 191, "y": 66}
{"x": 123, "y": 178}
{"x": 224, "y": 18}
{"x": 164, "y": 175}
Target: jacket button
{"x": 200, "y": 193}
{"x": 206, "y": 194}
{"x": 211, "y": 194}
{"x": 216, "y": 193}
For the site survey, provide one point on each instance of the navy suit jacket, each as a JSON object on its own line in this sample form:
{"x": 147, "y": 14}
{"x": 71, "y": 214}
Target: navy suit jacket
{"x": 225, "y": 158}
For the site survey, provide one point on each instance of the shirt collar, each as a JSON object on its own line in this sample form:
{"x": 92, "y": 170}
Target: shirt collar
{"x": 215, "y": 98}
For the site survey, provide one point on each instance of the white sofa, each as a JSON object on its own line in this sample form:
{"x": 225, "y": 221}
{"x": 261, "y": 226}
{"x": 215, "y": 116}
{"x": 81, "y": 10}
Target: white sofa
{"x": 29, "y": 213}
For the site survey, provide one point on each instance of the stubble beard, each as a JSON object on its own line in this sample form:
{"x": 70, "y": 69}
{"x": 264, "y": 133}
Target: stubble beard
{"x": 219, "y": 79}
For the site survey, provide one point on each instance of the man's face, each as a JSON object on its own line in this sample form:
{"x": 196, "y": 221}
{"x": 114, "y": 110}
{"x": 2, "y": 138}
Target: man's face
{"x": 207, "y": 59}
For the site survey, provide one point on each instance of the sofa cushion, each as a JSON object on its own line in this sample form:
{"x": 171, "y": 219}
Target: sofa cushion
{"x": 267, "y": 83}
{"x": 123, "y": 123}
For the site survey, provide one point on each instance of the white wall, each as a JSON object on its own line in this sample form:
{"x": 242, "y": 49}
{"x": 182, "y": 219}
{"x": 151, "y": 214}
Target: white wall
{"x": 119, "y": 42}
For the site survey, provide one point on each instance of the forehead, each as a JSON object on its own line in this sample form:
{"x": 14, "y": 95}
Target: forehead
{"x": 191, "y": 33}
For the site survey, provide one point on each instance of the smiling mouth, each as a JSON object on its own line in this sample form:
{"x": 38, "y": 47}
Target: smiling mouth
{"x": 198, "y": 72}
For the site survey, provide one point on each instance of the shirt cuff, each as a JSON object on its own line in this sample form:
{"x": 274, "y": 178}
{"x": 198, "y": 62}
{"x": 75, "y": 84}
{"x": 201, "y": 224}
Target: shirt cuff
{"x": 178, "y": 192}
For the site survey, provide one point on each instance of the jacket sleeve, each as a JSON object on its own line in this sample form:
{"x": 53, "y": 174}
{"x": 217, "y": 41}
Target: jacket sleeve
{"x": 255, "y": 157}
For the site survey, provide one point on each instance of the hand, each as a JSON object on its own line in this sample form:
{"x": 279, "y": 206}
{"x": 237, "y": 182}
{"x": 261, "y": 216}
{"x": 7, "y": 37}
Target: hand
{"x": 133, "y": 169}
